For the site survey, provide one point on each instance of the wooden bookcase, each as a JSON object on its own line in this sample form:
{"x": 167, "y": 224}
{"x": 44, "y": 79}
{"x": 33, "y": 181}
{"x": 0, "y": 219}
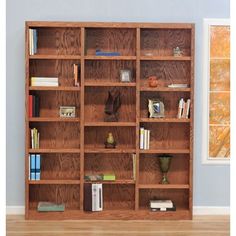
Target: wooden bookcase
{"x": 71, "y": 148}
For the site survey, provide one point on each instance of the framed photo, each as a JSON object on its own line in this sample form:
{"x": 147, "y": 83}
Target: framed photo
{"x": 67, "y": 112}
{"x": 155, "y": 108}
{"x": 125, "y": 76}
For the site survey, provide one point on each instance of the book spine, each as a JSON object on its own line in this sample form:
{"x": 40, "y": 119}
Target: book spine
{"x": 36, "y": 106}
{"x": 37, "y": 167}
{"x": 148, "y": 139}
{"x": 30, "y": 42}
{"x": 184, "y": 110}
{"x": 29, "y": 168}
{"x": 134, "y": 166}
{"x": 46, "y": 84}
{"x": 180, "y": 108}
{"x": 30, "y": 105}
{"x": 145, "y": 139}
{"x": 76, "y": 75}
{"x": 141, "y": 138}
{"x": 33, "y": 112}
{"x": 32, "y": 167}
{"x": 32, "y": 138}
{"x": 35, "y": 40}
{"x": 188, "y": 108}
{"x": 94, "y": 189}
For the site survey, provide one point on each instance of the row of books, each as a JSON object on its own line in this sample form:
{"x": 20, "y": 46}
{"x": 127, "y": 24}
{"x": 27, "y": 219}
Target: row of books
{"x": 34, "y": 166}
{"x": 33, "y": 106}
{"x": 34, "y": 138}
{"x": 184, "y": 108}
{"x": 33, "y": 38}
{"x": 93, "y": 197}
{"x": 44, "y": 81}
{"x": 144, "y": 138}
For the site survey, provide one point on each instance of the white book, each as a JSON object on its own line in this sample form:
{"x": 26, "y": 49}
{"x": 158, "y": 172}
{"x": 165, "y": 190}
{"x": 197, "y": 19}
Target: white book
{"x": 148, "y": 139}
{"x": 180, "y": 108}
{"x": 44, "y": 84}
{"x": 145, "y": 139}
{"x": 161, "y": 204}
{"x": 184, "y": 110}
{"x": 188, "y": 108}
{"x": 44, "y": 79}
{"x": 141, "y": 139}
{"x": 30, "y": 41}
{"x": 97, "y": 203}
{"x": 177, "y": 86}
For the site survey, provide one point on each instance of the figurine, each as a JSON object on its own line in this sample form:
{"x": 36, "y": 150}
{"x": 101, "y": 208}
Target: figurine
{"x": 110, "y": 142}
{"x": 112, "y": 106}
{"x": 177, "y": 52}
{"x": 152, "y": 81}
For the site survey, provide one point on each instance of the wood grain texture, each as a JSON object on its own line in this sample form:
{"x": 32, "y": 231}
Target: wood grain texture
{"x": 167, "y": 72}
{"x": 59, "y": 41}
{"x": 62, "y": 69}
{"x": 199, "y": 226}
{"x": 119, "y": 164}
{"x": 118, "y": 40}
{"x": 149, "y": 170}
{"x": 95, "y": 99}
{"x": 160, "y": 42}
{"x": 67, "y": 194}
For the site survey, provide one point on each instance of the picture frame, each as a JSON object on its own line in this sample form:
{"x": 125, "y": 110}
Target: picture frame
{"x": 67, "y": 112}
{"x": 125, "y": 76}
{"x": 156, "y": 108}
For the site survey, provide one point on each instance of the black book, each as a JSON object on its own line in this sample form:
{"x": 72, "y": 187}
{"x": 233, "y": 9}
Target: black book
{"x": 87, "y": 197}
{"x": 33, "y": 104}
{"x": 36, "y": 106}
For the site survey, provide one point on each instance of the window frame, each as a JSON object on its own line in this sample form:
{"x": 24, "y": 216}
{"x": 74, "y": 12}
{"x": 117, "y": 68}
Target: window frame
{"x": 206, "y": 159}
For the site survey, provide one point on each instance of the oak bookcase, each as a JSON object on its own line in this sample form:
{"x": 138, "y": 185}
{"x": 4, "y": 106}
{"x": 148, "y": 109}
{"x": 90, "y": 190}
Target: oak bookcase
{"x": 71, "y": 148}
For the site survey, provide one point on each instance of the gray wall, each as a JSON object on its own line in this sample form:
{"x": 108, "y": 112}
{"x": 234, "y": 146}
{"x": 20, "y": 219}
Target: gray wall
{"x": 211, "y": 183}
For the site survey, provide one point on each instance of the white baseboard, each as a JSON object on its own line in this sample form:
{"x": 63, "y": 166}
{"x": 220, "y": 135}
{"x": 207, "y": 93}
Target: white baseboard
{"x": 197, "y": 210}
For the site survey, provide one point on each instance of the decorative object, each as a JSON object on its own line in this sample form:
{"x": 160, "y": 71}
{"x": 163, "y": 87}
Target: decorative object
{"x": 93, "y": 177}
{"x": 109, "y": 177}
{"x": 50, "y": 206}
{"x": 112, "y": 106}
{"x": 67, "y": 112}
{"x": 125, "y": 76}
{"x": 177, "y": 52}
{"x": 156, "y": 108}
{"x": 164, "y": 163}
{"x": 110, "y": 142}
{"x": 152, "y": 81}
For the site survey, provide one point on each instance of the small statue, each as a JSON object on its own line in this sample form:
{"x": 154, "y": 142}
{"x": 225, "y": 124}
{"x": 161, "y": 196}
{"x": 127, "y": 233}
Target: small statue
{"x": 177, "y": 52}
{"x": 112, "y": 106}
{"x": 110, "y": 142}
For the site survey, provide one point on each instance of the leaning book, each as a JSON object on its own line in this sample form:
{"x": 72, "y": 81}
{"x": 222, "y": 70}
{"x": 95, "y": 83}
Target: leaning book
{"x": 50, "y": 206}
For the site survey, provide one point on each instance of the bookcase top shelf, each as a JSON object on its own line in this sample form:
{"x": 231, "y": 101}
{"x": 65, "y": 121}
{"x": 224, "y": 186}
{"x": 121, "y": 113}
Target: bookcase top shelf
{"x": 71, "y": 148}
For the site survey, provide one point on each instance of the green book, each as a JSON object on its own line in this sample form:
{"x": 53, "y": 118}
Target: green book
{"x": 50, "y": 206}
{"x": 109, "y": 177}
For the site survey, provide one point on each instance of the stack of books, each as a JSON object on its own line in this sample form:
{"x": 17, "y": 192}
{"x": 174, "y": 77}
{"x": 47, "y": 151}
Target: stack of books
{"x": 93, "y": 197}
{"x": 144, "y": 138}
{"x": 34, "y": 166}
{"x": 34, "y": 138}
{"x": 50, "y": 206}
{"x": 100, "y": 177}
{"x": 44, "y": 81}
{"x": 177, "y": 86}
{"x": 33, "y": 106}
{"x": 183, "y": 110}
{"x": 33, "y": 38}
{"x": 162, "y": 205}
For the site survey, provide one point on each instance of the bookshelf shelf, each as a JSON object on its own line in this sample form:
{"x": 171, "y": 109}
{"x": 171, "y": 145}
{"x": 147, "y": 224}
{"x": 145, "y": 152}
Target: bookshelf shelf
{"x": 54, "y": 57}
{"x": 164, "y": 120}
{"x": 54, "y": 182}
{"x": 59, "y": 150}
{"x": 163, "y": 186}
{"x": 74, "y": 147}
{"x": 53, "y": 119}
{"x": 59, "y": 88}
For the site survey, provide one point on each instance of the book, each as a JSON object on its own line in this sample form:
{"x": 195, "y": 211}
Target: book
{"x": 93, "y": 197}
{"x": 180, "y": 108}
{"x": 32, "y": 166}
{"x": 188, "y": 108}
{"x": 148, "y": 139}
{"x": 109, "y": 177}
{"x": 141, "y": 138}
{"x": 30, "y": 105}
{"x": 50, "y": 206}
{"x": 44, "y": 81}
{"x": 161, "y": 203}
{"x": 76, "y": 74}
{"x": 102, "y": 53}
{"x": 37, "y": 166}
{"x": 34, "y": 138}
{"x": 33, "y": 41}
{"x": 134, "y": 166}
{"x": 177, "y": 86}
{"x": 145, "y": 139}
{"x": 164, "y": 209}
{"x": 93, "y": 177}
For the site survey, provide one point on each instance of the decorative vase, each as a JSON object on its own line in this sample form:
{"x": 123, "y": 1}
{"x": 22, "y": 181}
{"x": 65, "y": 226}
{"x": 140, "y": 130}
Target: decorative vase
{"x": 152, "y": 81}
{"x": 164, "y": 163}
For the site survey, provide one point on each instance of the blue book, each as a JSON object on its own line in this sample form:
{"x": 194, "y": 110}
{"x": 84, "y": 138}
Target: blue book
{"x": 37, "y": 167}
{"x": 101, "y": 53}
{"x": 32, "y": 166}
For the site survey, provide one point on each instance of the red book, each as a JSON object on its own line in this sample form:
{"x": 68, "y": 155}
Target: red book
{"x": 30, "y": 105}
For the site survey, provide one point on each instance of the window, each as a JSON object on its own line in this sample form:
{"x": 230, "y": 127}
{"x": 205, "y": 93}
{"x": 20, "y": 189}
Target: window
{"x": 216, "y": 85}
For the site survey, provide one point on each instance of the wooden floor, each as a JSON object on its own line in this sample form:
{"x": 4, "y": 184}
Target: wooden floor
{"x": 199, "y": 226}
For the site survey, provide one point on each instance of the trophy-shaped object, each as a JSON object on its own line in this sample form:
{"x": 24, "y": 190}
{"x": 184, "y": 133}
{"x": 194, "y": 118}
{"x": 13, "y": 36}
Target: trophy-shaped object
{"x": 112, "y": 106}
{"x": 164, "y": 163}
{"x": 110, "y": 141}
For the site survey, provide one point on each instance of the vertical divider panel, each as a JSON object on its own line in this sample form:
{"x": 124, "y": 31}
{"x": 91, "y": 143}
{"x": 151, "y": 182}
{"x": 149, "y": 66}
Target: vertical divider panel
{"x": 82, "y": 121}
{"x": 137, "y": 116}
{"x": 191, "y": 122}
{"x": 26, "y": 120}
